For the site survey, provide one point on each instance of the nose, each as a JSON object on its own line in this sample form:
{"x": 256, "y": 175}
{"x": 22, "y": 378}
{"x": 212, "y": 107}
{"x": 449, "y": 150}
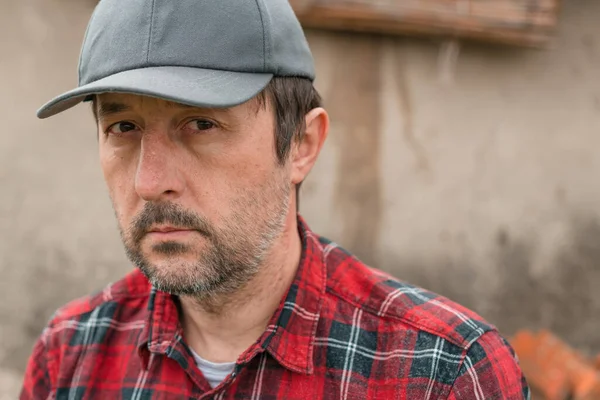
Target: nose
{"x": 159, "y": 171}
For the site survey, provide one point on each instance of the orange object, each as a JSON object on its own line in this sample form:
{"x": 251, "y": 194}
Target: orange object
{"x": 542, "y": 360}
{"x": 555, "y": 369}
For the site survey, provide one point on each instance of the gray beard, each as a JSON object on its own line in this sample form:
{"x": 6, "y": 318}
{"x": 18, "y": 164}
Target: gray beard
{"x": 233, "y": 255}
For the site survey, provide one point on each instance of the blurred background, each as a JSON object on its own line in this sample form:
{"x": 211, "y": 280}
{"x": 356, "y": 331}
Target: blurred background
{"x": 462, "y": 157}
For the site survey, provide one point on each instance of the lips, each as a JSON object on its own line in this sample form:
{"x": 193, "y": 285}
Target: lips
{"x": 168, "y": 229}
{"x": 169, "y": 233}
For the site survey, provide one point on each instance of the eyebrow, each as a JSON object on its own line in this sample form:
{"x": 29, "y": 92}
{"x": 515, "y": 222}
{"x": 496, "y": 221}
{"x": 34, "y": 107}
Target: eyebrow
{"x": 106, "y": 109}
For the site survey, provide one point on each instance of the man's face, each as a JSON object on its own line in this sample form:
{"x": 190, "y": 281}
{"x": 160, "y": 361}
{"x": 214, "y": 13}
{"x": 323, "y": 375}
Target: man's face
{"x": 199, "y": 194}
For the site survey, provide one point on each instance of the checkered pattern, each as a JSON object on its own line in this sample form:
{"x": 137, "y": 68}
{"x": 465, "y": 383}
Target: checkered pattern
{"x": 343, "y": 331}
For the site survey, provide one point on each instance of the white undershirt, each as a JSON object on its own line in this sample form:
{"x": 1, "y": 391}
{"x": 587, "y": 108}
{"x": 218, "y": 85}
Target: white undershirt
{"x": 214, "y": 373}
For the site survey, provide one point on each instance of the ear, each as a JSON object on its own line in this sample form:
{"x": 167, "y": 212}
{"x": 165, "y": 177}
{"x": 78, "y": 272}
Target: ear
{"x": 306, "y": 151}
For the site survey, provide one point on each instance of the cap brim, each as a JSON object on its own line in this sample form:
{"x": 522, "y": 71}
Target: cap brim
{"x": 190, "y": 86}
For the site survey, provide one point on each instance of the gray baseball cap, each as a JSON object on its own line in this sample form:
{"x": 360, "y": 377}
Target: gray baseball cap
{"x": 204, "y": 53}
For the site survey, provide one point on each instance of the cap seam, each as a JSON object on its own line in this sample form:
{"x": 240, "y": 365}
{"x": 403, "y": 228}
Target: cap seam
{"x": 269, "y": 35}
{"x": 85, "y": 39}
{"x": 264, "y": 36}
{"x": 150, "y": 32}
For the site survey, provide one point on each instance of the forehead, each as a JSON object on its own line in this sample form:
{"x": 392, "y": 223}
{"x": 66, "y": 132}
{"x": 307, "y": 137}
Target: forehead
{"x": 111, "y": 103}
{"x": 137, "y": 101}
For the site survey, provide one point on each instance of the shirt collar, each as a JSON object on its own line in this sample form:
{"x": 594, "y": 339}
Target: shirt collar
{"x": 162, "y": 325}
{"x": 290, "y": 335}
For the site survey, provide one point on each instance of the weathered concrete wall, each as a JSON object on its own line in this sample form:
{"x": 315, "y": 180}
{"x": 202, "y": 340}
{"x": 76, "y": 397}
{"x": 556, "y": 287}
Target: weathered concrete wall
{"x": 484, "y": 189}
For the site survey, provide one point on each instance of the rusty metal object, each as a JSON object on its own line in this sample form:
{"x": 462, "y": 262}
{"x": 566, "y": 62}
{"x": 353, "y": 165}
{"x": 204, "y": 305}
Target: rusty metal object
{"x": 554, "y": 369}
{"x": 517, "y": 22}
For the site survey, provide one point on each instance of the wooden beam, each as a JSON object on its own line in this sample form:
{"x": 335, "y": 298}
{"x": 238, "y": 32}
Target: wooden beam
{"x": 517, "y": 22}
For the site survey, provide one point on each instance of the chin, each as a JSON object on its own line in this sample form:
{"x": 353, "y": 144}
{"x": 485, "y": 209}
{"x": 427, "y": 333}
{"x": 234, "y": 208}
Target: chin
{"x": 172, "y": 265}
{"x": 175, "y": 276}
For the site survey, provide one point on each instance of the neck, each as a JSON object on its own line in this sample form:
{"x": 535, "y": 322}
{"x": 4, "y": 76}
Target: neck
{"x": 224, "y": 329}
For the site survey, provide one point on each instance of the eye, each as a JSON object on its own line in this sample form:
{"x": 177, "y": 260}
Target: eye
{"x": 200, "y": 125}
{"x": 120, "y": 128}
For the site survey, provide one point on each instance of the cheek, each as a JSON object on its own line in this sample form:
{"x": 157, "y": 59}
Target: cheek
{"x": 119, "y": 177}
{"x": 254, "y": 160}
{"x": 238, "y": 163}
{"x": 247, "y": 171}
{"x": 219, "y": 187}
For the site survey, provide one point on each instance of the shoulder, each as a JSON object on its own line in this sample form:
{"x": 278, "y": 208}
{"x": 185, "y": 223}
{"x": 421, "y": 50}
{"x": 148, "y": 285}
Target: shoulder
{"x": 393, "y": 302}
{"x": 467, "y": 355}
{"x": 120, "y": 302}
{"x": 86, "y": 322}
{"x": 490, "y": 370}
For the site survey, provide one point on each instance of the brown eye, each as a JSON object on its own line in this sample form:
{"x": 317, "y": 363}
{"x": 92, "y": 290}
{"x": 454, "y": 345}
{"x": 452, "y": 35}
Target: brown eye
{"x": 200, "y": 125}
{"x": 121, "y": 127}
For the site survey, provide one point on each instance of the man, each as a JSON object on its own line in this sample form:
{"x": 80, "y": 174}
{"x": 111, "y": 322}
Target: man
{"x": 208, "y": 123}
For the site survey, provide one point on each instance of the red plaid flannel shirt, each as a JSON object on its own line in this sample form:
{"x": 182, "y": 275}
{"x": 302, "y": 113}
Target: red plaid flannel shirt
{"x": 343, "y": 331}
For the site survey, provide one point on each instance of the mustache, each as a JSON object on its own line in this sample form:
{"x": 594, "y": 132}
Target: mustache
{"x": 167, "y": 213}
